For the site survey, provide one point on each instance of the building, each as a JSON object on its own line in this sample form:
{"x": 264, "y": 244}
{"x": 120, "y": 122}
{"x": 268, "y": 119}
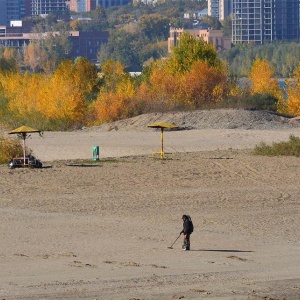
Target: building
{"x": 196, "y": 15}
{"x": 210, "y": 36}
{"x": 45, "y": 7}
{"x": 219, "y": 9}
{"x": 112, "y": 3}
{"x": 213, "y": 8}
{"x": 81, "y": 5}
{"x": 87, "y": 44}
{"x": 261, "y": 21}
{"x": 84, "y": 44}
{"x": 225, "y": 9}
{"x": 11, "y": 10}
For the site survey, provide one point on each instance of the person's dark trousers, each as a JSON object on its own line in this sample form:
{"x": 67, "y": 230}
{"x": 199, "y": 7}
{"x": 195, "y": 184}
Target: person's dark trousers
{"x": 186, "y": 242}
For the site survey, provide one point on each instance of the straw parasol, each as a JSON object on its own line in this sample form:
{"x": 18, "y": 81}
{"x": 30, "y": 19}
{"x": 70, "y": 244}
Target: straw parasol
{"x": 23, "y": 131}
{"x": 162, "y": 126}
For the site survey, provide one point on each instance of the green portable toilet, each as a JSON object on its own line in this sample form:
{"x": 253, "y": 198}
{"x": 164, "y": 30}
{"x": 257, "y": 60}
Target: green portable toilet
{"x": 95, "y": 152}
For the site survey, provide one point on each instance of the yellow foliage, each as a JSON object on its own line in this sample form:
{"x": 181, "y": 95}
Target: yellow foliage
{"x": 57, "y": 97}
{"x": 9, "y": 148}
{"x": 261, "y": 77}
{"x": 9, "y": 53}
{"x": 22, "y": 91}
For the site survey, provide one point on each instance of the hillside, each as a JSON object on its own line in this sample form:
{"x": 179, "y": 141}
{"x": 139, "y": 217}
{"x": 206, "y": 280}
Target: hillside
{"x": 207, "y": 119}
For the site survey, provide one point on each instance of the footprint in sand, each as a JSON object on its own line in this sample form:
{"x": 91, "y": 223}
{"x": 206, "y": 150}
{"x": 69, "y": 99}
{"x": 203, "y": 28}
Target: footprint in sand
{"x": 237, "y": 257}
{"x": 79, "y": 264}
{"x": 20, "y": 254}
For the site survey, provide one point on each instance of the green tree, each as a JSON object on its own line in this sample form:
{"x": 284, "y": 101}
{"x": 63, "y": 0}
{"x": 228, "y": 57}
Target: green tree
{"x": 227, "y": 26}
{"x": 120, "y": 47}
{"x": 214, "y": 23}
{"x": 154, "y": 27}
{"x": 190, "y": 50}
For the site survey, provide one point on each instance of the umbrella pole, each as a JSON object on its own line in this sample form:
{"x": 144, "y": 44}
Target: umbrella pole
{"x": 162, "y": 143}
{"x": 24, "y": 149}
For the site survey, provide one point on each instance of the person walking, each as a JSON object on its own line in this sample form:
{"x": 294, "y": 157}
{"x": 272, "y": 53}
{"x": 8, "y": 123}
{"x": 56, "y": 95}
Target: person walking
{"x": 187, "y": 230}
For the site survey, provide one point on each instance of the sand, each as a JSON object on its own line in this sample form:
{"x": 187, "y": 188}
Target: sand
{"x": 83, "y": 229}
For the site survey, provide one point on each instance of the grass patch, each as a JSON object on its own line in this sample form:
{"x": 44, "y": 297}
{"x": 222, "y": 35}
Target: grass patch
{"x": 289, "y": 148}
{"x": 9, "y": 148}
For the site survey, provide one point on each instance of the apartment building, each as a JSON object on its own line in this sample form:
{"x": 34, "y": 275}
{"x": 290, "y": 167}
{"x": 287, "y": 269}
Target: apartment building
{"x": 219, "y": 9}
{"x": 261, "y": 21}
{"x": 81, "y": 5}
{"x": 112, "y": 3}
{"x": 11, "y": 10}
{"x": 84, "y": 44}
{"x": 44, "y": 7}
{"x": 210, "y": 36}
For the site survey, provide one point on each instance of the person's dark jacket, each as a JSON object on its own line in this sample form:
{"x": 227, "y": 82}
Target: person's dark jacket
{"x": 187, "y": 227}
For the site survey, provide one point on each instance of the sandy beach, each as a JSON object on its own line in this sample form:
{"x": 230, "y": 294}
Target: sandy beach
{"x": 83, "y": 229}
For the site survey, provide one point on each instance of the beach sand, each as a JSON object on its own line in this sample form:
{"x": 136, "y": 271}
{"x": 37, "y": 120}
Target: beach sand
{"x": 84, "y": 229}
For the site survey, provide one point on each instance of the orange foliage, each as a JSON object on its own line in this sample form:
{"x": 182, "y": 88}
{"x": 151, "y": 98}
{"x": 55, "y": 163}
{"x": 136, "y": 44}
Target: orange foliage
{"x": 201, "y": 85}
{"x": 293, "y": 92}
{"x": 205, "y": 84}
{"x": 115, "y": 104}
{"x": 163, "y": 91}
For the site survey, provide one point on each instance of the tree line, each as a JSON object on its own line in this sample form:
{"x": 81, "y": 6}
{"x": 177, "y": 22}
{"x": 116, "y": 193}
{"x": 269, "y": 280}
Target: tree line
{"x": 193, "y": 77}
{"x": 283, "y": 57}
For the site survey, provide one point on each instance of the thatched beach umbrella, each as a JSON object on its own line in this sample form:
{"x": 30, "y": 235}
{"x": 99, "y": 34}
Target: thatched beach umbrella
{"x": 23, "y": 131}
{"x": 162, "y": 126}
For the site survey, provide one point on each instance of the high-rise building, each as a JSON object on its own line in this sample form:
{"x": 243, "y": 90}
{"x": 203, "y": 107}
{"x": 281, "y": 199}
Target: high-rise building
{"x": 219, "y": 9}
{"x": 82, "y": 5}
{"x": 11, "y": 10}
{"x": 112, "y": 3}
{"x": 44, "y": 7}
{"x": 260, "y": 21}
{"x": 225, "y": 9}
{"x": 213, "y": 8}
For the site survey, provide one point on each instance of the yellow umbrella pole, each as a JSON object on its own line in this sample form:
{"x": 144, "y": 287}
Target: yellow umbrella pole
{"x": 24, "y": 148}
{"x": 162, "y": 143}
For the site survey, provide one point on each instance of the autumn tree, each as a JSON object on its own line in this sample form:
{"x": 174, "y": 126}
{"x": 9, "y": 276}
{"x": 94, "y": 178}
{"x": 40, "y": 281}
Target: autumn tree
{"x": 58, "y": 101}
{"x": 116, "y": 97}
{"x": 64, "y": 97}
{"x": 263, "y": 82}
{"x": 191, "y": 78}
{"x": 206, "y": 85}
{"x": 34, "y": 56}
{"x": 293, "y": 93}
{"x": 23, "y": 92}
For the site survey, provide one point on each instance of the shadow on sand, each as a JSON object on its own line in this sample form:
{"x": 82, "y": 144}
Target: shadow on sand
{"x": 222, "y": 250}
{"x": 84, "y": 165}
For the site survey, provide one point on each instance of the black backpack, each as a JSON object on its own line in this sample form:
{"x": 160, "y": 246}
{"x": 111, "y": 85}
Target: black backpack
{"x": 191, "y": 223}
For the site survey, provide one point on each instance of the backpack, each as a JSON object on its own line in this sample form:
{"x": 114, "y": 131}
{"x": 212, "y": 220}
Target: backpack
{"x": 191, "y": 223}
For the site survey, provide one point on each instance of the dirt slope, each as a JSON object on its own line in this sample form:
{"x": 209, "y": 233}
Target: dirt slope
{"x": 208, "y": 119}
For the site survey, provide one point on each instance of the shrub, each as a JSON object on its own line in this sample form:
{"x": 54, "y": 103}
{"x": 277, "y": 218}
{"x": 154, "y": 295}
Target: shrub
{"x": 290, "y": 148}
{"x": 256, "y": 101}
{"x": 9, "y": 148}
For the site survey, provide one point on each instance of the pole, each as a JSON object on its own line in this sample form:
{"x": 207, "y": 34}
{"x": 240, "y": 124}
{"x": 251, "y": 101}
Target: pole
{"x": 24, "y": 149}
{"x": 162, "y": 143}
